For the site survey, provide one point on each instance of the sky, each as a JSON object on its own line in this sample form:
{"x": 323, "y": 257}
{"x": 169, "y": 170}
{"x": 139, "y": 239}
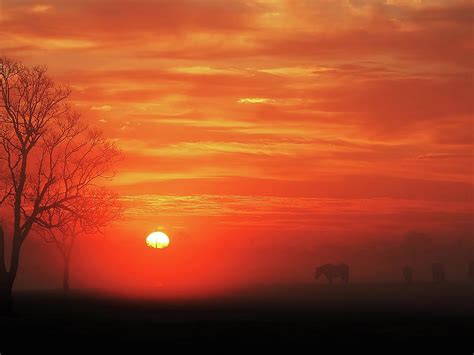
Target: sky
{"x": 263, "y": 136}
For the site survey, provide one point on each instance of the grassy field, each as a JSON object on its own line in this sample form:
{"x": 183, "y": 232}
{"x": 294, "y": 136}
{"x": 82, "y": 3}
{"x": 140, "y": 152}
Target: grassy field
{"x": 298, "y": 314}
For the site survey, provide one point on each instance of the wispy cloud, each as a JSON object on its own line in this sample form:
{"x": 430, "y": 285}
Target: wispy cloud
{"x": 101, "y": 108}
{"x": 255, "y": 100}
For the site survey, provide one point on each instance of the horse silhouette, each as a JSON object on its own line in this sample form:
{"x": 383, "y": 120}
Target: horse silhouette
{"x": 408, "y": 274}
{"x": 437, "y": 269}
{"x": 331, "y": 272}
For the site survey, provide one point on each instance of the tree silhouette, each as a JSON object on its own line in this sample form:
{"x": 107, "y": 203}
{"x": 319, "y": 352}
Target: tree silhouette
{"x": 89, "y": 214}
{"x": 48, "y": 158}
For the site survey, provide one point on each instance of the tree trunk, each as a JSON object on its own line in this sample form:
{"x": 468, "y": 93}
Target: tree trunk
{"x": 7, "y": 279}
{"x": 67, "y": 263}
{"x": 66, "y": 274}
{"x": 6, "y": 284}
{"x": 6, "y": 294}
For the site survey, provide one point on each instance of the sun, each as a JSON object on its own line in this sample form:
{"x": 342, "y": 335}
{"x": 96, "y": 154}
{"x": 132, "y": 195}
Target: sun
{"x": 157, "y": 240}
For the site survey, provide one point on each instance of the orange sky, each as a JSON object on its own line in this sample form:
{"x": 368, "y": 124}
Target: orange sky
{"x": 256, "y": 132}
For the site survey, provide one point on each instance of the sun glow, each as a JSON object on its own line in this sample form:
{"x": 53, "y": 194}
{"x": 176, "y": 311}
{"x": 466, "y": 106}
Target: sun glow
{"x": 157, "y": 240}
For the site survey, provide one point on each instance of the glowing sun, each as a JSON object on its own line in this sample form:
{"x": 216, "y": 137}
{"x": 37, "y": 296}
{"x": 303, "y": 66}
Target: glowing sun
{"x": 157, "y": 240}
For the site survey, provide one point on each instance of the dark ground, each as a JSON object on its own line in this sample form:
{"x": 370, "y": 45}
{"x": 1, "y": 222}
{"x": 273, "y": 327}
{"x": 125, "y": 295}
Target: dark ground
{"x": 355, "y": 315}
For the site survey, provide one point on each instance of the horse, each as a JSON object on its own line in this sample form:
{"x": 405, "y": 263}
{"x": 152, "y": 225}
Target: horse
{"x": 408, "y": 274}
{"x": 332, "y": 271}
{"x": 437, "y": 269}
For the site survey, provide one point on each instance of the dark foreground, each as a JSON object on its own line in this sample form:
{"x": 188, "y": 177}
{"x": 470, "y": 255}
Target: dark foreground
{"x": 353, "y": 315}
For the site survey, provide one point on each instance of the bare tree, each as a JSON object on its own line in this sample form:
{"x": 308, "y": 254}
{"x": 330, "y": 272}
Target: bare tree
{"x": 89, "y": 214}
{"x": 48, "y": 157}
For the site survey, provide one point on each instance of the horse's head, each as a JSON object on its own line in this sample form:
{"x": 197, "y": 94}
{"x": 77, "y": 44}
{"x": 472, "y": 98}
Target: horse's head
{"x": 317, "y": 273}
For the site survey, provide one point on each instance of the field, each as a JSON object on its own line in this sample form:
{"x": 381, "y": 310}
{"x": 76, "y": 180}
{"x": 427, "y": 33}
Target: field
{"x": 300, "y": 314}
